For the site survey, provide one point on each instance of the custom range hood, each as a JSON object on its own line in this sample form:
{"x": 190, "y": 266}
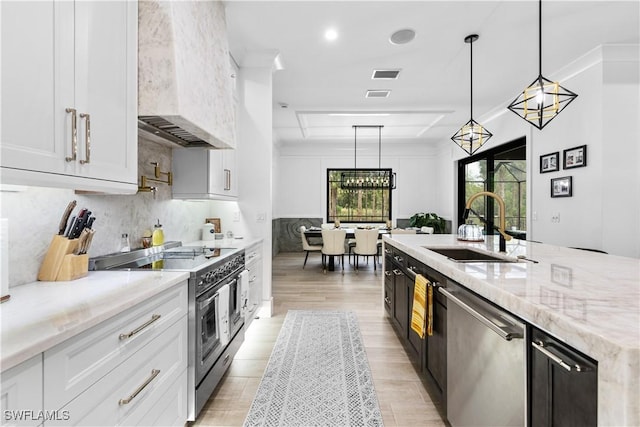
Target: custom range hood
{"x": 184, "y": 74}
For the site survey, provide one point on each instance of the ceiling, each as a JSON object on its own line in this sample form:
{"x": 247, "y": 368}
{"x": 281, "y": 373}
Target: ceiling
{"x": 323, "y": 83}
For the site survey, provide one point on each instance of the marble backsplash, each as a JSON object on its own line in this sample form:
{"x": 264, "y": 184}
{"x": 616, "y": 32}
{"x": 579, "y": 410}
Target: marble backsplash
{"x": 34, "y": 213}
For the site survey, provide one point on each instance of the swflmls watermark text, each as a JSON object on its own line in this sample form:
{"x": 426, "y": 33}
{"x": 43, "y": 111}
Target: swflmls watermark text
{"x": 31, "y": 415}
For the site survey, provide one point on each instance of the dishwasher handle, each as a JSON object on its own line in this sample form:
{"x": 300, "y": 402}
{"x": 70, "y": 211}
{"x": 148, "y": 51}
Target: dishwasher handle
{"x": 506, "y": 334}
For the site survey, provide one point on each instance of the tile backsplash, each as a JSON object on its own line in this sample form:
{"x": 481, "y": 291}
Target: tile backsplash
{"x": 33, "y": 215}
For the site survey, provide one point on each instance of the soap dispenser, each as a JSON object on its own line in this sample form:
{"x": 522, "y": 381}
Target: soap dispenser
{"x": 157, "y": 238}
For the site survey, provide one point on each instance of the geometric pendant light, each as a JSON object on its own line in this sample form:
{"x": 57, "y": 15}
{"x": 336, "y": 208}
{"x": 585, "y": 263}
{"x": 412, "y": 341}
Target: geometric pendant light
{"x": 472, "y": 135}
{"x": 543, "y": 99}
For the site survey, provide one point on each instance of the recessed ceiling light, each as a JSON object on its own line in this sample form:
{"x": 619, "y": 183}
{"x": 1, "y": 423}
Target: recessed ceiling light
{"x": 402, "y": 36}
{"x": 331, "y": 34}
{"x": 378, "y": 93}
{"x": 385, "y": 74}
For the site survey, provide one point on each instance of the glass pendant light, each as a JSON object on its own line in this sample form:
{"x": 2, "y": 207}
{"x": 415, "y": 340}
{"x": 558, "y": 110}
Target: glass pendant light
{"x": 472, "y": 135}
{"x": 543, "y": 99}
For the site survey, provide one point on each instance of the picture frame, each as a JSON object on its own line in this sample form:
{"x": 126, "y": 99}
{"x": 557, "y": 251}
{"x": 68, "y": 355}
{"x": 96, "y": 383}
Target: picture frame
{"x": 575, "y": 157}
{"x": 562, "y": 187}
{"x": 217, "y": 226}
{"x": 550, "y": 162}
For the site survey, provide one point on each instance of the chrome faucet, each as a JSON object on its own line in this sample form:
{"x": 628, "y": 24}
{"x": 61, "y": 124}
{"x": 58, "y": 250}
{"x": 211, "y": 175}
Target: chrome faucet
{"x": 501, "y": 229}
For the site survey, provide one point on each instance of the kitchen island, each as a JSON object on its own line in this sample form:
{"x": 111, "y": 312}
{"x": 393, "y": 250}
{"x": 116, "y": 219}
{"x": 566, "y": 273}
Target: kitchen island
{"x": 588, "y": 300}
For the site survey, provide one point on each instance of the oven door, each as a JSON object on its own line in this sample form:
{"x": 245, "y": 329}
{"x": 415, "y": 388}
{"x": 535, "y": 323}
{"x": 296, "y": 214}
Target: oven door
{"x": 208, "y": 347}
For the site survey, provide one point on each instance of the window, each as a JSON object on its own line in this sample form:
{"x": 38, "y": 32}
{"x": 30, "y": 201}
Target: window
{"x": 360, "y": 205}
{"x": 502, "y": 170}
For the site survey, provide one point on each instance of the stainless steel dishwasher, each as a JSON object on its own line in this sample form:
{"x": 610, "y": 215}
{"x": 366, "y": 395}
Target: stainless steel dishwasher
{"x": 486, "y": 383}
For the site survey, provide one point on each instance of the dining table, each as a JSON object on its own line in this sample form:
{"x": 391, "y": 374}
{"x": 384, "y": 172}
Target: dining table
{"x": 351, "y": 234}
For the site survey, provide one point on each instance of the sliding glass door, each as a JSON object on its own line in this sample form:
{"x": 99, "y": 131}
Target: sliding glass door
{"x": 501, "y": 170}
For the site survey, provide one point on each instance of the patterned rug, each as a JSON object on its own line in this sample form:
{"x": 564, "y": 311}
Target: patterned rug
{"x": 318, "y": 375}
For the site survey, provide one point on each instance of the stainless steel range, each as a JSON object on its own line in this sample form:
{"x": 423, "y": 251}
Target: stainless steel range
{"x": 215, "y": 307}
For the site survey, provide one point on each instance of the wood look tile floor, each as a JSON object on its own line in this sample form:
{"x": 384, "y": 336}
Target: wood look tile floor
{"x": 401, "y": 394}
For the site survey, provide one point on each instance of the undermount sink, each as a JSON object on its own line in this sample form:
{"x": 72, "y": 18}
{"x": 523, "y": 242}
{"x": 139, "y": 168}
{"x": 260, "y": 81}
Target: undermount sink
{"x": 468, "y": 255}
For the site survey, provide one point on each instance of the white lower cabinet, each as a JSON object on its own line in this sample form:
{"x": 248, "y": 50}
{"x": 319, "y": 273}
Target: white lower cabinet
{"x": 128, "y": 370}
{"x": 21, "y": 394}
{"x": 127, "y": 395}
{"x": 253, "y": 263}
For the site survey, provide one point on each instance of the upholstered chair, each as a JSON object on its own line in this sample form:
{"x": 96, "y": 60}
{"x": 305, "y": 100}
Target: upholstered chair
{"x": 366, "y": 245}
{"x": 333, "y": 245}
{"x": 306, "y": 246}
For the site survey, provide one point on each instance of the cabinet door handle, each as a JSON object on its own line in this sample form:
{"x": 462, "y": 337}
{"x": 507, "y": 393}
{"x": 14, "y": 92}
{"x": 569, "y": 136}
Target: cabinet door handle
{"x": 154, "y": 373}
{"x": 87, "y": 138}
{"x": 227, "y": 179}
{"x": 540, "y": 346}
{"x": 397, "y": 272}
{"x": 139, "y": 328}
{"x": 387, "y": 251}
{"x": 398, "y": 258}
{"x": 387, "y": 300}
{"x": 387, "y": 273}
{"x": 74, "y": 135}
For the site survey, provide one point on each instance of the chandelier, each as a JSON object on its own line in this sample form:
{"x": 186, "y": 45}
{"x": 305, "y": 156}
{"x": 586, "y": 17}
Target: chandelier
{"x": 543, "y": 99}
{"x": 367, "y": 179}
{"x": 472, "y": 135}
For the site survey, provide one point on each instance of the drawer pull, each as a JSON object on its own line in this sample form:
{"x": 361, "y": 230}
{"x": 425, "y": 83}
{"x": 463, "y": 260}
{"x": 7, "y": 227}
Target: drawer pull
{"x": 397, "y": 272}
{"x": 154, "y": 373}
{"x": 387, "y": 300}
{"x": 139, "y": 328}
{"x": 398, "y": 258}
{"x": 542, "y": 348}
{"x": 387, "y": 273}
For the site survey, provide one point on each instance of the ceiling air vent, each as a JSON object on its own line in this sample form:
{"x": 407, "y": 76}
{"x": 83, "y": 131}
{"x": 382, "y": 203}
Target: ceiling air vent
{"x": 385, "y": 74}
{"x": 377, "y": 93}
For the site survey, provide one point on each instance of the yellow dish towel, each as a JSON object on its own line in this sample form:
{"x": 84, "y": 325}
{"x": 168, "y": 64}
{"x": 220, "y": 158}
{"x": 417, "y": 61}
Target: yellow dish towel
{"x": 420, "y": 309}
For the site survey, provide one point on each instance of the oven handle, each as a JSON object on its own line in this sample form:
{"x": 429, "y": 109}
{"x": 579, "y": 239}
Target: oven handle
{"x": 207, "y": 302}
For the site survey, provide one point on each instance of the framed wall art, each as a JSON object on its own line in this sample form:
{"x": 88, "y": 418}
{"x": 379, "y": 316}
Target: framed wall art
{"x": 550, "y": 162}
{"x": 575, "y": 157}
{"x": 561, "y": 187}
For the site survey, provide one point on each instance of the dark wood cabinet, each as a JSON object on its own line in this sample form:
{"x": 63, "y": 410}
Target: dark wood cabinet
{"x": 429, "y": 354}
{"x": 400, "y": 302}
{"x": 563, "y": 386}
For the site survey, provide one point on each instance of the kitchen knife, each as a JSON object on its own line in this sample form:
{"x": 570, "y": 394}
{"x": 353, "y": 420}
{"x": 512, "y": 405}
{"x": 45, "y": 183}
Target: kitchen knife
{"x": 70, "y": 226}
{"x": 90, "y": 222}
{"x": 81, "y": 220}
{"x": 83, "y": 223}
{"x": 65, "y": 217}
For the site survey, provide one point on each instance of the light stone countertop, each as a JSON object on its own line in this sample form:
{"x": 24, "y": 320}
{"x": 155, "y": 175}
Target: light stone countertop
{"x": 589, "y": 300}
{"x": 41, "y": 315}
{"x": 243, "y": 243}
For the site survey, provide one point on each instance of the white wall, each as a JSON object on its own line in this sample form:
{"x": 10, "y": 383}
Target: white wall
{"x": 302, "y": 175}
{"x": 255, "y": 154}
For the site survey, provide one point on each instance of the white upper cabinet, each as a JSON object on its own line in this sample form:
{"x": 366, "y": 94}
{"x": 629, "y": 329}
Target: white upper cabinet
{"x": 69, "y": 98}
{"x": 204, "y": 174}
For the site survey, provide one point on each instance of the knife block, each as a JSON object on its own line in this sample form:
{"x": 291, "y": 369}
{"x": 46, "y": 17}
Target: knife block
{"x": 60, "y": 263}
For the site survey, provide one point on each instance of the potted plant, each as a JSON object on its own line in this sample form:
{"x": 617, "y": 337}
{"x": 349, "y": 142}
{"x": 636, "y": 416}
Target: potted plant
{"x": 428, "y": 220}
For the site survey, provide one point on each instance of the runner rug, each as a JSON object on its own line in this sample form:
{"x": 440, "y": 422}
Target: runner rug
{"x": 318, "y": 375}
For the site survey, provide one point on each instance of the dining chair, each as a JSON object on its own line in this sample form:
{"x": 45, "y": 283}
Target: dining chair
{"x": 333, "y": 245}
{"x": 366, "y": 245}
{"x": 306, "y": 246}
